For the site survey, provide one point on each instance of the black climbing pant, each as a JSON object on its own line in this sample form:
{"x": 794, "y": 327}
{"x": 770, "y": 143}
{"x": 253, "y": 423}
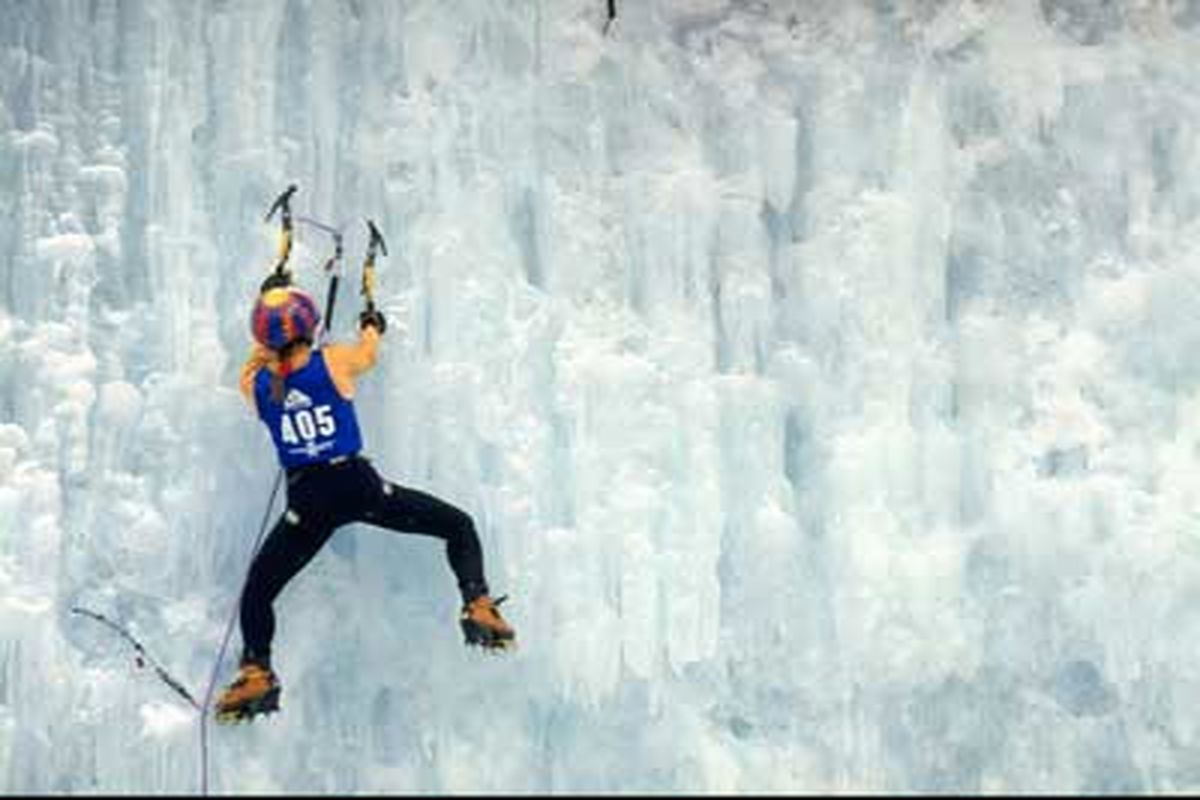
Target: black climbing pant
{"x": 323, "y": 497}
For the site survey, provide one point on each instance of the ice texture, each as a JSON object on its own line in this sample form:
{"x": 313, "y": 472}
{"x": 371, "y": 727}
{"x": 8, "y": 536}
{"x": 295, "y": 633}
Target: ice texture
{"x": 822, "y": 378}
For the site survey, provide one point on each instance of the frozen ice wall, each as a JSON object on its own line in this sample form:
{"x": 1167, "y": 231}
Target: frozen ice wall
{"x": 822, "y": 378}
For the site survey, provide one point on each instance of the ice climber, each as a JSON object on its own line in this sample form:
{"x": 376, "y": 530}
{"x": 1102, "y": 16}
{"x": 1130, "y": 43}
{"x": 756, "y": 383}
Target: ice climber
{"x": 304, "y": 395}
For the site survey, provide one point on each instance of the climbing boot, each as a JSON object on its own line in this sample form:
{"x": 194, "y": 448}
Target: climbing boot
{"x": 482, "y": 624}
{"x": 255, "y": 691}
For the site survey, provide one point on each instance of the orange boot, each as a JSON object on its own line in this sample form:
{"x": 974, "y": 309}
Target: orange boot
{"x": 255, "y": 691}
{"x": 482, "y": 624}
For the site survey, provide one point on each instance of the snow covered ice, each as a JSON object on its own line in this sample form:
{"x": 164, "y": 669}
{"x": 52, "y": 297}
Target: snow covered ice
{"x": 822, "y": 377}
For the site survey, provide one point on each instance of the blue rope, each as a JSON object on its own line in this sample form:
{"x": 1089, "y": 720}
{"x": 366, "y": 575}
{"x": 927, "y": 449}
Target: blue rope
{"x": 212, "y": 681}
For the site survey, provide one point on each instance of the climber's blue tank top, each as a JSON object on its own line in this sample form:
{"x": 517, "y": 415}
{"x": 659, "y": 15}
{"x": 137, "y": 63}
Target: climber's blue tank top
{"x": 314, "y": 423}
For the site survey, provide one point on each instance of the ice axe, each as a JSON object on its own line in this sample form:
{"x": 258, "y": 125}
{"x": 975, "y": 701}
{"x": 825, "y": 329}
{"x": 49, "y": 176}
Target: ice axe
{"x": 282, "y": 204}
{"x": 374, "y": 246}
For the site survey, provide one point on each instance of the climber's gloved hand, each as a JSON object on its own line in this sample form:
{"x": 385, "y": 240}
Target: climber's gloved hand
{"x": 372, "y": 317}
{"x": 275, "y": 280}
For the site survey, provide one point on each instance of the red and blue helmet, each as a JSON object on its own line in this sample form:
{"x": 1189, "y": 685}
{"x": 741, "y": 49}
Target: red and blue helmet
{"x": 283, "y": 316}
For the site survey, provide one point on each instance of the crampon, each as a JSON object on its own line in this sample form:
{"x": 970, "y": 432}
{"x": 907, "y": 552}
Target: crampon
{"x": 267, "y": 704}
{"x": 256, "y": 691}
{"x": 482, "y": 625}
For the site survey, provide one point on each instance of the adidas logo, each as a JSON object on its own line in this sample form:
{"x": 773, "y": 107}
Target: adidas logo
{"x": 296, "y": 399}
